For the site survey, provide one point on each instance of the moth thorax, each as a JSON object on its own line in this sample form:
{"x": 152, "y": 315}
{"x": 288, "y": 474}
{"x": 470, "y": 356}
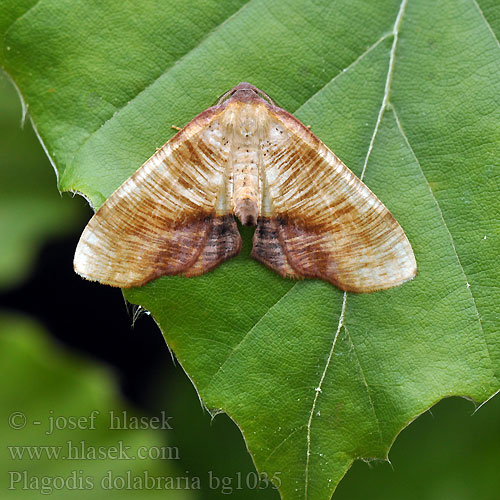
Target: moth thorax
{"x": 247, "y": 126}
{"x": 245, "y": 120}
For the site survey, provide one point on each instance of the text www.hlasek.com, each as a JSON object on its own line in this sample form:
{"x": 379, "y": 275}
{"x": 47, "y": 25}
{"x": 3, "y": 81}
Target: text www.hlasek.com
{"x": 80, "y": 450}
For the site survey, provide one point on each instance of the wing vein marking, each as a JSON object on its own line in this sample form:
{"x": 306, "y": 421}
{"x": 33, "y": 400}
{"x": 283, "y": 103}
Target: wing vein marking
{"x": 318, "y": 391}
{"x": 388, "y": 81}
{"x": 365, "y": 383}
{"x": 165, "y": 72}
{"x": 441, "y": 215}
{"x": 236, "y": 347}
{"x": 486, "y": 22}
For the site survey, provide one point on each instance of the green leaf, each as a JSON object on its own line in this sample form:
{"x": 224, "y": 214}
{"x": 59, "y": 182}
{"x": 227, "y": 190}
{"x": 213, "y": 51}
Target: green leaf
{"x": 446, "y": 454}
{"x": 406, "y": 94}
{"x": 60, "y": 416}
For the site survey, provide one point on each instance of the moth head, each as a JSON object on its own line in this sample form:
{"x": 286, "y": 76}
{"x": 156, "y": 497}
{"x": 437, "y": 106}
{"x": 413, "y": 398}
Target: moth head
{"x": 245, "y": 92}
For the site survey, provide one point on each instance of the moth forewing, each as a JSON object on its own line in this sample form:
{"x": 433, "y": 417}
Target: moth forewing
{"x": 328, "y": 222}
{"x": 162, "y": 220}
{"x": 249, "y": 158}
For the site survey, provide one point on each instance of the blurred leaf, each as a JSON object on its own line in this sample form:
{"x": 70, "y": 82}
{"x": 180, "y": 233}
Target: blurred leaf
{"x": 104, "y": 84}
{"x": 31, "y": 210}
{"x": 48, "y": 399}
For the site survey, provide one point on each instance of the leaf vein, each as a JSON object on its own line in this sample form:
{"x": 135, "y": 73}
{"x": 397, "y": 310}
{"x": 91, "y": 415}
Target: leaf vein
{"x": 345, "y": 70}
{"x": 388, "y": 81}
{"x": 256, "y": 324}
{"x": 24, "y": 14}
{"x": 165, "y": 72}
{"x": 282, "y": 442}
{"x": 318, "y": 391}
{"x": 488, "y": 25}
{"x": 365, "y": 383}
{"x": 385, "y": 101}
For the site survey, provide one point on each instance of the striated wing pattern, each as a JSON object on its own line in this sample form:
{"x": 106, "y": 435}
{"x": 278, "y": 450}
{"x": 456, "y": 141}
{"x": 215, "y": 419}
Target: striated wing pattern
{"x": 329, "y": 224}
{"x": 159, "y": 220}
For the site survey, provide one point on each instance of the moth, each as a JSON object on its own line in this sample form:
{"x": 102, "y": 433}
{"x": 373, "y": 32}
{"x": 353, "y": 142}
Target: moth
{"x": 248, "y": 158}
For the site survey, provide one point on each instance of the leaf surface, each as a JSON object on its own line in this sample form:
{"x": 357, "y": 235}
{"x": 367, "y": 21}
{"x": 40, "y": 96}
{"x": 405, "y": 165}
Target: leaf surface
{"x": 406, "y": 93}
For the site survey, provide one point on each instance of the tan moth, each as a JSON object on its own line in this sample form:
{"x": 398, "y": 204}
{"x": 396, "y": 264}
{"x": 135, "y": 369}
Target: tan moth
{"x": 248, "y": 158}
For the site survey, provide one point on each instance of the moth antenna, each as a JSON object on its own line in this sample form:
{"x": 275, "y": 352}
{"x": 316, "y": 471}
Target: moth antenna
{"x": 266, "y": 97}
{"x": 222, "y": 98}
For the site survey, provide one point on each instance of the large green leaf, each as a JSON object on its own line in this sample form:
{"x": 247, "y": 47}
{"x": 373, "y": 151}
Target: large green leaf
{"x": 447, "y": 453}
{"x": 406, "y": 94}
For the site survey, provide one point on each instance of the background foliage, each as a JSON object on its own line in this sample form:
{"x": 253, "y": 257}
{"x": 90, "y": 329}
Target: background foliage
{"x": 401, "y": 95}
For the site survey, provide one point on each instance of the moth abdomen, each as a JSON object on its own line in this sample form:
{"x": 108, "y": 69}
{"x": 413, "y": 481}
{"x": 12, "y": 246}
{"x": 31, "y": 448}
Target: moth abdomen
{"x": 247, "y": 211}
